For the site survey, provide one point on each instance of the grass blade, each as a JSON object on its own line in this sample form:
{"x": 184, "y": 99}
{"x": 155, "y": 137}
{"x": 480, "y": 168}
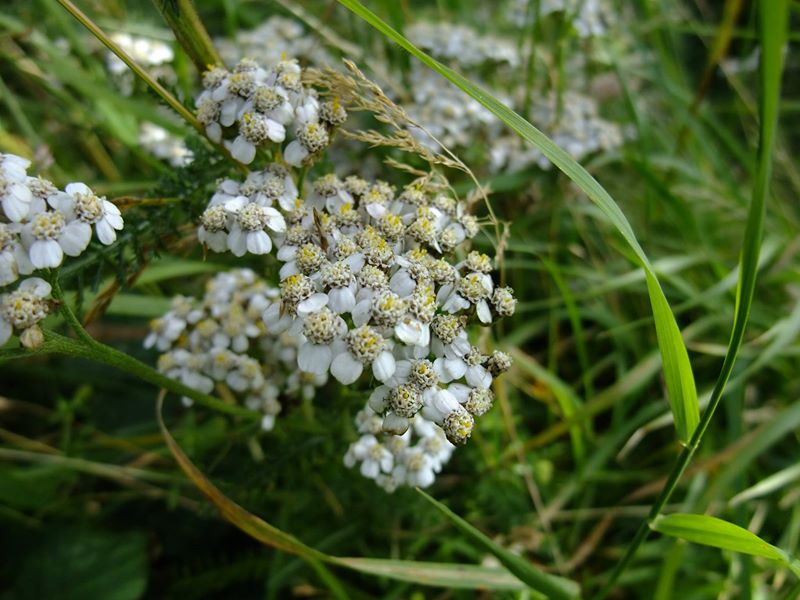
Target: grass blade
{"x": 711, "y": 531}
{"x": 549, "y": 585}
{"x": 773, "y": 33}
{"x": 471, "y": 577}
{"x": 682, "y": 394}
{"x": 182, "y": 18}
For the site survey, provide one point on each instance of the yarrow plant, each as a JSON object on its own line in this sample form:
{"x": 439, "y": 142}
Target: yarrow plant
{"x": 257, "y": 105}
{"x": 329, "y": 274}
{"x": 374, "y": 285}
{"x": 39, "y": 225}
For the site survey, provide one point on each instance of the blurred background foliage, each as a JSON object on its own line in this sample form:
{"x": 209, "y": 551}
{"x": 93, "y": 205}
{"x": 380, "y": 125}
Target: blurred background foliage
{"x": 564, "y": 468}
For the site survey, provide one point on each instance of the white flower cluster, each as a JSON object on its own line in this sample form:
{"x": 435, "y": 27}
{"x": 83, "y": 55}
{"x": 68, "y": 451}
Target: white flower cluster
{"x": 39, "y": 223}
{"x": 240, "y": 214}
{"x": 274, "y": 39}
{"x": 22, "y": 309}
{"x": 462, "y": 45}
{"x": 257, "y": 105}
{"x": 458, "y": 121}
{"x": 155, "y": 55}
{"x": 448, "y": 114}
{"x": 577, "y": 128}
{"x": 367, "y": 285}
{"x": 222, "y": 339}
{"x": 589, "y": 18}
{"x": 163, "y": 145}
{"x": 413, "y": 458}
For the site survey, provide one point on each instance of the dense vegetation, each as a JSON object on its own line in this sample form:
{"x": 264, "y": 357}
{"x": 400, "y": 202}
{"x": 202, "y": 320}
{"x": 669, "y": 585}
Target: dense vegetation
{"x": 639, "y": 265}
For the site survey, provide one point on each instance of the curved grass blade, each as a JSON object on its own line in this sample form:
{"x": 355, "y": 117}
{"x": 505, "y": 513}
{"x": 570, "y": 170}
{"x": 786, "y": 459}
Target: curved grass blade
{"x": 681, "y": 391}
{"x": 557, "y": 588}
{"x": 422, "y": 573}
{"x": 472, "y": 577}
{"x": 185, "y": 23}
{"x": 711, "y": 531}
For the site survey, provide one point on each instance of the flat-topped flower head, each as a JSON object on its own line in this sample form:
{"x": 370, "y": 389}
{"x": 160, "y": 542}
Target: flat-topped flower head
{"x": 356, "y": 185}
{"x": 478, "y": 262}
{"x": 222, "y": 338}
{"x": 295, "y": 289}
{"x": 498, "y": 363}
{"x": 83, "y": 208}
{"x": 504, "y": 302}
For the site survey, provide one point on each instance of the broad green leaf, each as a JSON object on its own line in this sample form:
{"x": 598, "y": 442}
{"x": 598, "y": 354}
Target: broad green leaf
{"x": 549, "y": 585}
{"x": 711, "y": 531}
{"x": 422, "y": 573}
{"x": 682, "y": 394}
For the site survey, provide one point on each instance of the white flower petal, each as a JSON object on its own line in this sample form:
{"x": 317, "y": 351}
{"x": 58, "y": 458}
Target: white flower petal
{"x": 346, "y": 369}
{"x": 73, "y": 189}
{"x": 105, "y": 232}
{"x": 341, "y": 300}
{"x": 478, "y": 376}
{"x": 46, "y": 254}
{"x": 312, "y": 304}
{"x": 383, "y": 366}
{"x": 8, "y": 268}
{"x": 314, "y": 358}
{"x": 258, "y": 242}
{"x": 275, "y": 220}
{"x": 484, "y": 314}
{"x": 37, "y": 286}
{"x": 395, "y": 424}
{"x": 75, "y": 237}
{"x": 237, "y": 242}
{"x": 243, "y": 150}
{"x": 275, "y": 131}
{"x": 17, "y": 201}
{"x": 295, "y": 153}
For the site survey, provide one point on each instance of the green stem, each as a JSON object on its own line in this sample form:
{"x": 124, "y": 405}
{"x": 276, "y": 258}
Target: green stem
{"x": 185, "y": 23}
{"x": 159, "y": 89}
{"x": 59, "y": 344}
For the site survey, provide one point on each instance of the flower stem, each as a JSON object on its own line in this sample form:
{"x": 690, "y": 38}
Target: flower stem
{"x": 98, "y": 352}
